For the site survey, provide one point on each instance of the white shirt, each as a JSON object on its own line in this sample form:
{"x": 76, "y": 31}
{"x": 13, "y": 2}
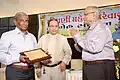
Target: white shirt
{"x": 97, "y": 44}
{"x": 14, "y": 42}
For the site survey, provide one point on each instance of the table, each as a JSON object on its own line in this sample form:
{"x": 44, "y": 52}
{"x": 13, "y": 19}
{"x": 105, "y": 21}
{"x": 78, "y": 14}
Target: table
{"x": 74, "y": 74}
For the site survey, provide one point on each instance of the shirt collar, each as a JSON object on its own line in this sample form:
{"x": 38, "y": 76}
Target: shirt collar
{"x": 19, "y": 32}
{"x": 52, "y": 35}
{"x": 94, "y": 24}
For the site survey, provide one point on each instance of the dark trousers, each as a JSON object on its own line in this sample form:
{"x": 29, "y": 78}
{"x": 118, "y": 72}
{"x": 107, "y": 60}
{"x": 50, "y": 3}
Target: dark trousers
{"x": 19, "y": 73}
{"x": 103, "y": 71}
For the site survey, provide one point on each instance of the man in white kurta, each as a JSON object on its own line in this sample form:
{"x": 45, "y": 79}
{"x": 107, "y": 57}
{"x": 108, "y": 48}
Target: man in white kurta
{"x": 57, "y": 46}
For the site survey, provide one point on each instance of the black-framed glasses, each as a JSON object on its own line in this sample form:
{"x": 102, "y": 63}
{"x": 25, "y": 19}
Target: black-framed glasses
{"x": 88, "y": 13}
{"x": 53, "y": 26}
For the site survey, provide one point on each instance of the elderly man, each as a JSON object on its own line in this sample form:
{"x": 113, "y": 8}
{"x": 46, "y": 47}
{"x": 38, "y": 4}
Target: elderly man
{"x": 14, "y": 42}
{"x": 97, "y": 51}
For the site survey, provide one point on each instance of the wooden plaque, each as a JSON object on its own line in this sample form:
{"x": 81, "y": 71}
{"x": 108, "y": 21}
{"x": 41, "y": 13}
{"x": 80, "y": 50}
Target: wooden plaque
{"x": 36, "y": 55}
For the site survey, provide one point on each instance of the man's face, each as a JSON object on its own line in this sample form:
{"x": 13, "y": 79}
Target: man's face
{"x": 22, "y": 22}
{"x": 89, "y": 16}
{"x": 53, "y": 27}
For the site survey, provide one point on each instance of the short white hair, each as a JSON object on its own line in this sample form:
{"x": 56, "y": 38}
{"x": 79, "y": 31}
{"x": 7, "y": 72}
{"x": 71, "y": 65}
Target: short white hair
{"x": 19, "y": 14}
{"x": 95, "y": 8}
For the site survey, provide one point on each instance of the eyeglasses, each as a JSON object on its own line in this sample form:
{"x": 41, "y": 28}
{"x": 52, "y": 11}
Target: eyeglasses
{"x": 53, "y": 26}
{"x": 88, "y": 13}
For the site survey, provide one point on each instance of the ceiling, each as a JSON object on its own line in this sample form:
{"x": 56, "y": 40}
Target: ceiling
{"x": 10, "y": 7}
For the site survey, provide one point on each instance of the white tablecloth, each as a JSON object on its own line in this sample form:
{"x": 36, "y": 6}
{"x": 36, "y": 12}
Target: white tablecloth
{"x": 73, "y": 74}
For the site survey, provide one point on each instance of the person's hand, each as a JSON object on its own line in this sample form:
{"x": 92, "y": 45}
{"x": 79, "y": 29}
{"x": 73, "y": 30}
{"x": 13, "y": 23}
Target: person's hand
{"x": 37, "y": 65}
{"x": 46, "y": 61}
{"x": 73, "y": 31}
{"x": 24, "y": 58}
{"x": 62, "y": 67}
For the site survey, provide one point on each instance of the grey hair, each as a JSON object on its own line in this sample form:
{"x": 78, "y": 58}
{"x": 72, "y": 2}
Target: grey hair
{"x": 95, "y": 8}
{"x": 19, "y": 14}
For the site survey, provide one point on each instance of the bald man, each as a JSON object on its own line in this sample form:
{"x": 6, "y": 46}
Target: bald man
{"x": 14, "y": 42}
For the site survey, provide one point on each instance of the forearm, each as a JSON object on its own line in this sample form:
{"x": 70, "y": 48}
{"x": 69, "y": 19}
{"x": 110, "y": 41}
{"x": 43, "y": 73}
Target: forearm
{"x": 67, "y": 55}
{"x": 8, "y": 59}
{"x": 93, "y": 45}
{"x": 66, "y": 59}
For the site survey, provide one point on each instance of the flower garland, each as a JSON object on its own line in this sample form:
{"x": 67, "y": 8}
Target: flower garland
{"x": 116, "y": 47}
